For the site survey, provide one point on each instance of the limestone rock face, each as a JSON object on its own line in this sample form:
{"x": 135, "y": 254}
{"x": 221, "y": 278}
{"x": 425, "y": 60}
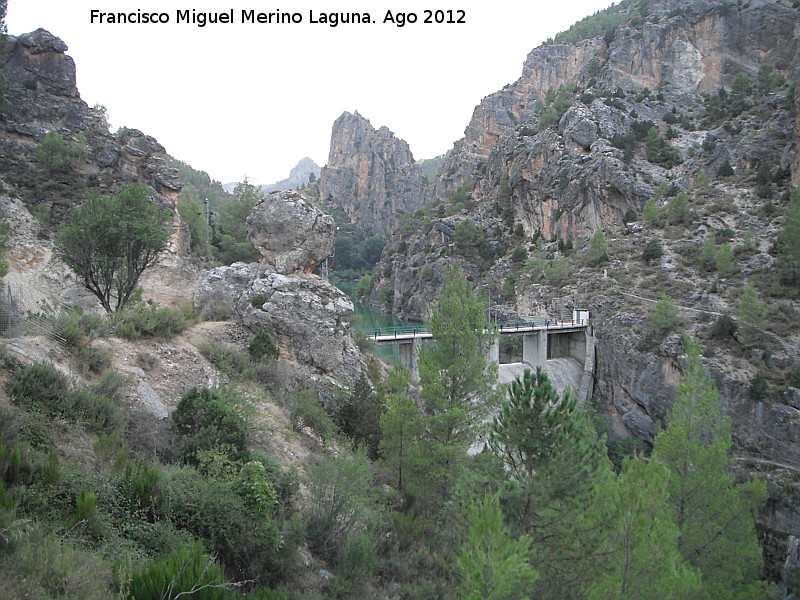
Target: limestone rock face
{"x": 308, "y": 317}
{"x": 42, "y": 97}
{"x": 291, "y": 234}
{"x": 371, "y": 174}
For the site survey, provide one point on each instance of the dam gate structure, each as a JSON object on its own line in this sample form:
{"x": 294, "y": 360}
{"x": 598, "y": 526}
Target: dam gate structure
{"x": 543, "y": 339}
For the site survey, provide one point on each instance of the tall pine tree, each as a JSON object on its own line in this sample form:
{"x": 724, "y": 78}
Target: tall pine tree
{"x": 715, "y": 515}
{"x": 456, "y": 379}
{"x": 554, "y": 460}
{"x": 640, "y": 556}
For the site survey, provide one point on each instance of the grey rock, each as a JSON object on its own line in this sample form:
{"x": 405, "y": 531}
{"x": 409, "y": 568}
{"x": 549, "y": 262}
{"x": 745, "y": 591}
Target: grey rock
{"x": 42, "y": 97}
{"x": 290, "y": 233}
{"x": 792, "y": 397}
{"x": 578, "y": 127}
{"x": 308, "y": 317}
{"x": 371, "y": 174}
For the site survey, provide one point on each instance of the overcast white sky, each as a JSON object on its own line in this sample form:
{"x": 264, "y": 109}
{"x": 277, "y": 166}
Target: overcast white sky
{"x": 251, "y": 100}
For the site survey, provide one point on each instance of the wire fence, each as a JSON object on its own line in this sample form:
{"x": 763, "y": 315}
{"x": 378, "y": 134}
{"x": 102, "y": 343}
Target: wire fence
{"x": 24, "y": 312}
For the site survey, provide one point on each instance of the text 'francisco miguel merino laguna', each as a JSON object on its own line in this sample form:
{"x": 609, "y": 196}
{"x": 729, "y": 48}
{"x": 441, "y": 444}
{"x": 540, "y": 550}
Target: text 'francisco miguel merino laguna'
{"x": 332, "y": 19}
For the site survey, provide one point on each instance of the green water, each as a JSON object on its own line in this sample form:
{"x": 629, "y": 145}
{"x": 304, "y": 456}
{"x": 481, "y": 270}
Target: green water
{"x": 366, "y": 317}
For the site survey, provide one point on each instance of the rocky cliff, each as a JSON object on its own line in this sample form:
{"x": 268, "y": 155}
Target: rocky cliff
{"x": 41, "y": 99}
{"x": 669, "y": 125}
{"x": 371, "y": 174}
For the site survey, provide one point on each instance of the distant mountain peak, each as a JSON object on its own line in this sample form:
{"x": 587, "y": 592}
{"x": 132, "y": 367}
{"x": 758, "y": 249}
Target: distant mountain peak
{"x": 298, "y": 177}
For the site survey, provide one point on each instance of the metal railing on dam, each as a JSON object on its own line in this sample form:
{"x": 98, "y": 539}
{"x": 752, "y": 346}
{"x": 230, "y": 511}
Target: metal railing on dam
{"x": 389, "y": 335}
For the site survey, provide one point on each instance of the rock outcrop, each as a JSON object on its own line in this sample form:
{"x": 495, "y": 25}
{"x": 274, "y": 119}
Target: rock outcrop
{"x": 300, "y": 175}
{"x": 41, "y": 98}
{"x": 371, "y": 174}
{"x": 291, "y": 234}
{"x": 308, "y": 317}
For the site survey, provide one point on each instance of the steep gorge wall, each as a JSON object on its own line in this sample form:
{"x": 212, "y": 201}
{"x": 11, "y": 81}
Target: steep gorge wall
{"x": 572, "y": 178}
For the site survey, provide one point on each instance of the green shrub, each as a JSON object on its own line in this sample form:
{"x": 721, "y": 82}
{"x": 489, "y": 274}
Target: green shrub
{"x": 519, "y": 255}
{"x": 184, "y": 571}
{"x": 43, "y": 387}
{"x": 651, "y": 213}
{"x": 99, "y": 411}
{"x": 152, "y": 321}
{"x": 340, "y": 504}
{"x": 285, "y": 482}
{"x": 142, "y": 484}
{"x": 262, "y": 347}
{"x": 51, "y": 471}
{"x": 91, "y": 359}
{"x": 204, "y": 421}
{"x": 665, "y": 317}
{"x": 246, "y": 542}
{"x": 357, "y": 414}
{"x": 364, "y": 287}
{"x": 307, "y": 411}
{"x": 254, "y": 488}
{"x": 678, "y": 210}
{"x": 725, "y": 169}
{"x": 258, "y": 300}
{"x": 107, "y": 447}
{"x": 652, "y": 250}
{"x": 426, "y": 274}
{"x": 111, "y": 385}
{"x": 231, "y": 362}
{"x": 724, "y": 327}
{"x": 759, "y": 389}
{"x": 43, "y": 564}
{"x": 629, "y": 216}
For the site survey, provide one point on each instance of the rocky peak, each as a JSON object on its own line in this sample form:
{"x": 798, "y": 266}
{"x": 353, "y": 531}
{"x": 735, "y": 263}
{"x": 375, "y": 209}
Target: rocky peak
{"x": 41, "y": 98}
{"x": 371, "y": 174}
{"x": 298, "y": 177}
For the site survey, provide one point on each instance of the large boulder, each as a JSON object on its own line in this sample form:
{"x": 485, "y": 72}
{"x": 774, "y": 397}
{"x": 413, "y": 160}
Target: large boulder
{"x": 291, "y": 234}
{"x": 308, "y": 317}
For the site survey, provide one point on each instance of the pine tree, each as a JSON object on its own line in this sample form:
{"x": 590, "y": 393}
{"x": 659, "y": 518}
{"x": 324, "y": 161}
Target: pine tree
{"x": 401, "y": 425}
{"x": 787, "y": 246}
{"x": 456, "y": 378}
{"x": 714, "y": 515}
{"x": 640, "y": 557}
{"x": 494, "y": 566}
{"x": 598, "y": 250}
{"x": 752, "y": 314}
{"x": 554, "y": 460}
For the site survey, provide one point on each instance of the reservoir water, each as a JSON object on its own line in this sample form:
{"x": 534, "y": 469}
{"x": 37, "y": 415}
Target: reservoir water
{"x": 366, "y": 318}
